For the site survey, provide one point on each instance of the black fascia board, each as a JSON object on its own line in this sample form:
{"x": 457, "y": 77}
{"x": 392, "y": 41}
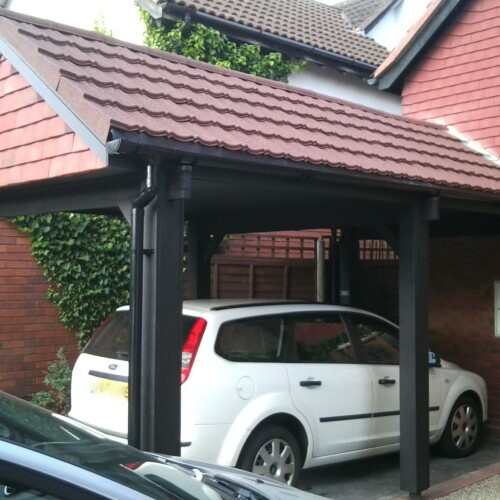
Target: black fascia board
{"x": 270, "y": 41}
{"x": 393, "y": 79}
{"x": 139, "y": 143}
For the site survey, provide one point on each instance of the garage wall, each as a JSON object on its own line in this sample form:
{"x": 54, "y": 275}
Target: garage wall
{"x": 30, "y": 332}
{"x": 463, "y": 272}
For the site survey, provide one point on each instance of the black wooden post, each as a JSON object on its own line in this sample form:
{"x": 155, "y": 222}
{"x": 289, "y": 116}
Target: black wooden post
{"x": 414, "y": 345}
{"x": 349, "y": 263}
{"x": 201, "y": 246}
{"x": 160, "y": 384}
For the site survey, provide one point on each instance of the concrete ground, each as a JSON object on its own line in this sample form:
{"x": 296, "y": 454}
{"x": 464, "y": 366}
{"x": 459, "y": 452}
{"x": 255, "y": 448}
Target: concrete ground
{"x": 477, "y": 476}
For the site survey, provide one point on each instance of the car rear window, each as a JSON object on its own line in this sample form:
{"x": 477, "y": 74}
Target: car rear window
{"x": 111, "y": 340}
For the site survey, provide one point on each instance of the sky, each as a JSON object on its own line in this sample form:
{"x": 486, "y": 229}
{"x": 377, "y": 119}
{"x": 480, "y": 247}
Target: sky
{"x": 120, "y": 16}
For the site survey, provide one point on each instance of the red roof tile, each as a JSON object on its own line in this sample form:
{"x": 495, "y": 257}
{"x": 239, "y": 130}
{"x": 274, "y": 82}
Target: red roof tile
{"x": 134, "y": 89}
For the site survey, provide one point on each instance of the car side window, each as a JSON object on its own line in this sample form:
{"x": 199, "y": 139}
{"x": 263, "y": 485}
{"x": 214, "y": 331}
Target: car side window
{"x": 379, "y": 339}
{"x": 321, "y": 339}
{"x": 251, "y": 340}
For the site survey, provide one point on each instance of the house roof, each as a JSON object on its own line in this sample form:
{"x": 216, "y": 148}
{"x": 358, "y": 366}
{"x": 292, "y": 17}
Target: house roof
{"x": 411, "y": 48}
{"x": 307, "y": 22}
{"x": 152, "y": 97}
{"x": 361, "y": 14}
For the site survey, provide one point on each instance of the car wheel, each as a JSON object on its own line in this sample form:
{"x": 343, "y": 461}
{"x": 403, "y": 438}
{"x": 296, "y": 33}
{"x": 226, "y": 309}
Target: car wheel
{"x": 461, "y": 434}
{"x": 272, "y": 452}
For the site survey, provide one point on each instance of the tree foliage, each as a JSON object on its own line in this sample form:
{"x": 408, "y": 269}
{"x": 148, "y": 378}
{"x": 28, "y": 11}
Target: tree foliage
{"x": 86, "y": 262}
{"x": 202, "y": 43}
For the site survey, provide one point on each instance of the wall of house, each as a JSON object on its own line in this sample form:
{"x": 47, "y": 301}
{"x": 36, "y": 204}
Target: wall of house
{"x": 346, "y": 87}
{"x": 463, "y": 271}
{"x": 397, "y": 20}
{"x": 30, "y": 332}
{"x": 458, "y": 82}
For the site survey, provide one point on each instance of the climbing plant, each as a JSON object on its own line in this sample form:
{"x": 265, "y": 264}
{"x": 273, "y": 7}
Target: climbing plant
{"x": 202, "y": 43}
{"x": 86, "y": 262}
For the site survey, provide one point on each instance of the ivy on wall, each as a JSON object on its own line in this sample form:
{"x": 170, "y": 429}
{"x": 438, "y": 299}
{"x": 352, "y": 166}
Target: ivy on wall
{"x": 202, "y": 43}
{"x": 86, "y": 262}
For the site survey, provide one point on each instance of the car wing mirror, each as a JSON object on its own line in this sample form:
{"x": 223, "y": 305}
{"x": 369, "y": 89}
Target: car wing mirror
{"x": 434, "y": 359}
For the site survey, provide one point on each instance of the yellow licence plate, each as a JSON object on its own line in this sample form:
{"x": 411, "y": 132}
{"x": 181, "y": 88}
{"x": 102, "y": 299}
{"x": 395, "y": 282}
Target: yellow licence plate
{"x": 112, "y": 388}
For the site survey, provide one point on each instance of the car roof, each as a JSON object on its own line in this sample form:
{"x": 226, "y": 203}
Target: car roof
{"x": 201, "y": 306}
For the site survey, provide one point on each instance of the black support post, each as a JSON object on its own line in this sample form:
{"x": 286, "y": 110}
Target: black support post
{"x": 162, "y": 325}
{"x": 201, "y": 246}
{"x": 414, "y": 345}
{"x": 349, "y": 263}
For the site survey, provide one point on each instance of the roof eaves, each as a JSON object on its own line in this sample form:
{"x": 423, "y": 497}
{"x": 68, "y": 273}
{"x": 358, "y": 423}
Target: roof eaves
{"x": 53, "y": 99}
{"x": 270, "y": 40}
{"x": 403, "y": 58}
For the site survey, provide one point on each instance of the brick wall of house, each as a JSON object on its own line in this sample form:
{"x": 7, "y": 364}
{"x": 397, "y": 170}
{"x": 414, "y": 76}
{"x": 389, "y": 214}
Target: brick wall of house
{"x": 463, "y": 272}
{"x": 30, "y": 332}
{"x": 458, "y": 81}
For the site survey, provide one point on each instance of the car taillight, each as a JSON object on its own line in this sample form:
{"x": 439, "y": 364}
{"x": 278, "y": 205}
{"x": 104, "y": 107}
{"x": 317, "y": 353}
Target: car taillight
{"x": 191, "y": 347}
{"x": 133, "y": 465}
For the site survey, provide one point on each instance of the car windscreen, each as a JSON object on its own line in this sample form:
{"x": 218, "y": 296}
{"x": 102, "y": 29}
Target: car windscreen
{"x": 39, "y": 430}
{"x": 112, "y": 338}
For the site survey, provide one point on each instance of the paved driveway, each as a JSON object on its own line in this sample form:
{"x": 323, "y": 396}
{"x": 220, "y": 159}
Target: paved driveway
{"x": 378, "y": 478}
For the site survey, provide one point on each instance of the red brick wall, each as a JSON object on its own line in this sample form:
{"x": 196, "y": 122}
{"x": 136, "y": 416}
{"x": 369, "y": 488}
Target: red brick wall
{"x": 30, "y": 332}
{"x": 458, "y": 81}
{"x": 463, "y": 272}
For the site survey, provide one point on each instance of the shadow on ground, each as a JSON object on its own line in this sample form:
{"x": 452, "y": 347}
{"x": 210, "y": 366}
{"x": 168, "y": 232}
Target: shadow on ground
{"x": 378, "y": 477}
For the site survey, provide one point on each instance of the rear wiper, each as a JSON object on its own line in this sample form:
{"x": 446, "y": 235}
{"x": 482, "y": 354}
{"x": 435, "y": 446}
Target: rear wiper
{"x": 122, "y": 354}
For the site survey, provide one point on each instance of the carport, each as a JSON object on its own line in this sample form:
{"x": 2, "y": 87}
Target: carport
{"x": 92, "y": 124}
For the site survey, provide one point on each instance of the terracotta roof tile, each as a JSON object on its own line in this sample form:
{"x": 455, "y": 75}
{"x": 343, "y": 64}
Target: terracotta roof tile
{"x": 112, "y": 85}
{"x": 307, "y": 21}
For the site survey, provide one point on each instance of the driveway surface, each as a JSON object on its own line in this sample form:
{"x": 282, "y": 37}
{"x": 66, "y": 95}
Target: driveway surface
{"x": 378, "y": 478}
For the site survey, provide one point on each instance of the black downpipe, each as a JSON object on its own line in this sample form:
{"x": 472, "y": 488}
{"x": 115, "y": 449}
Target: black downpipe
{"x": 144, "y": 198}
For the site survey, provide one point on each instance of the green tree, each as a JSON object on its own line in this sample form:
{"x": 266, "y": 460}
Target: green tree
{"x": 202, "y": 43}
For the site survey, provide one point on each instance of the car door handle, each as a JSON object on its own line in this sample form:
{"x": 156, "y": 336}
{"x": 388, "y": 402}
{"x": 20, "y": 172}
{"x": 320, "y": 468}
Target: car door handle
{"x": 309, "y": 383}
{"x": 386, "y": 381}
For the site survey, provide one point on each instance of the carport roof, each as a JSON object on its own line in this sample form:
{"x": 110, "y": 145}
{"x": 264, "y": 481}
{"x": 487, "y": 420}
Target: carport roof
{"x": 153, "y": 97}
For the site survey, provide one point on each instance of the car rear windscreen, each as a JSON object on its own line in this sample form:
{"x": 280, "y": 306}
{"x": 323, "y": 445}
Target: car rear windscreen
{"x": 111, "y": 340}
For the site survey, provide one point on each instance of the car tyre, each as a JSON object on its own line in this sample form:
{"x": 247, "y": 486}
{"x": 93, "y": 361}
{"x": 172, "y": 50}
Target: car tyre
{"x": 272, "y": 452}
{"x": 463, "y": 428}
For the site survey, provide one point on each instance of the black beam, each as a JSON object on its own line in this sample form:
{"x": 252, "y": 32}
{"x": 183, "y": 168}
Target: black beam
{"x": 82, "y": 196}
{"x": 414, "y": 345}
{"x": 309, "y": 217}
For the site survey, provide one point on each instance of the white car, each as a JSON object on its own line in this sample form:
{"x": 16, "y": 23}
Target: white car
{"x": 275, "y": 387}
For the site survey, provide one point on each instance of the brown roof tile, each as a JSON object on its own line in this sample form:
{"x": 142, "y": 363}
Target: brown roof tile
{"x": 307, "y": 21}
{"x": 112, "y": 85}
{"x": 361, "y": 13}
